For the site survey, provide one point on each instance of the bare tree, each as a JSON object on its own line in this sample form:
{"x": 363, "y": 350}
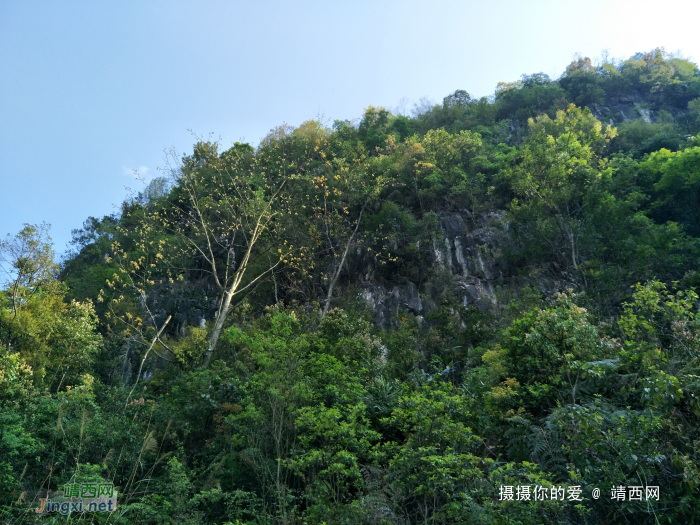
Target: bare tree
{"x": 220, "y": 219}
{"x": 337, "y": 198}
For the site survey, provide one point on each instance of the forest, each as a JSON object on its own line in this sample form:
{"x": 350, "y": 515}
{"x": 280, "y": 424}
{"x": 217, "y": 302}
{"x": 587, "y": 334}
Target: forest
{"x": 485, "y": 312}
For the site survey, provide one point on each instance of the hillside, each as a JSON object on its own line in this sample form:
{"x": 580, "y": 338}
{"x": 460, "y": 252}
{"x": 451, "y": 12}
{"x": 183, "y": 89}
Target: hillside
{"x": 393, "y": 320}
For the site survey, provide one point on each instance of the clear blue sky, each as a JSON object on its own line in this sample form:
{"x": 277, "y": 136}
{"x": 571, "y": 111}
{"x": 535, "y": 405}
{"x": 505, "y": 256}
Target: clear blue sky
{"x": 90, "y": 90}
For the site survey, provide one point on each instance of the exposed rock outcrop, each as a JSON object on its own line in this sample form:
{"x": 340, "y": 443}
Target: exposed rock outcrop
{"x": 468, "y": 251}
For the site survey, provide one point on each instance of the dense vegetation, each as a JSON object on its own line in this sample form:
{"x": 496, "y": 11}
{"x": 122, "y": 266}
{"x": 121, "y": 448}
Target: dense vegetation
{"x": 211, "y": 350}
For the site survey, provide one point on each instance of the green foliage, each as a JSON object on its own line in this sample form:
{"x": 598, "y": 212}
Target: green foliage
{"x": 528, "y": 98}
{"x": 678, "y": 186}
{"x": 668, "y": 81}
{"x": 333, "y": 398}
{"x": 640, "y": 137}
{"x": 551, "y": 352}
{"x": 435, "y": 470}
{"x": 26, "y": 261}
{"x": 582, "y": 83}
{"x": 190, "y": 349}
{"x": 558, "y": 173}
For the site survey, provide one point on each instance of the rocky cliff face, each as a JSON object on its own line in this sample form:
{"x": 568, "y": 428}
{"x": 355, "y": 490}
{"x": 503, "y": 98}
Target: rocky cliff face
{"x": 618, "y": 109}
{"x": 468, "y": 253}
{"x": 468, "y": 258}
{"x": 630, "y": 106}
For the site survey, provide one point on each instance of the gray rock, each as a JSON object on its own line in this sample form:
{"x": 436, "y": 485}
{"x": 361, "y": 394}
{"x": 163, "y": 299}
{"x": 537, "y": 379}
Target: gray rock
{"x": 468, "y": 251}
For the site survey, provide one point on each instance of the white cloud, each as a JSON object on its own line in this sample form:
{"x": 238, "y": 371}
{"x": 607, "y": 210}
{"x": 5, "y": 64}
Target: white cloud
{"x": 136, "y": 173}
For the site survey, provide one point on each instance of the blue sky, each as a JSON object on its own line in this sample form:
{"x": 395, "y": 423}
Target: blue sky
{"x": 93, "y": 90}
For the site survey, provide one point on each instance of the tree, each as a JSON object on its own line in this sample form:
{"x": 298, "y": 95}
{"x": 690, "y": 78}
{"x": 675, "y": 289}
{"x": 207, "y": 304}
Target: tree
{"x": 56, "y": 339}
{"x": 531, "y": 96}
{"x": 582, "y": 83}
{"x": 678, "y": 183}
{"x": 550, "y": 352}
{"x": 27, "y": 262}
{"x": 350, "y": 189}
{"x": 220, "y": 221}
{"x": 556, "y": 176}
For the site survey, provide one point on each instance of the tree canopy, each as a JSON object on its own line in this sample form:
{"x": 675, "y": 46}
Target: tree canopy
{"x": 430, "y": 319}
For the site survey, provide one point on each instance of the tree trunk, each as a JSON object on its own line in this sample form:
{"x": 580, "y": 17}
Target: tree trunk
{"x": 219, "y": 325}
{"x": 138, "y": 375}
{"x": 340, "y": 267}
